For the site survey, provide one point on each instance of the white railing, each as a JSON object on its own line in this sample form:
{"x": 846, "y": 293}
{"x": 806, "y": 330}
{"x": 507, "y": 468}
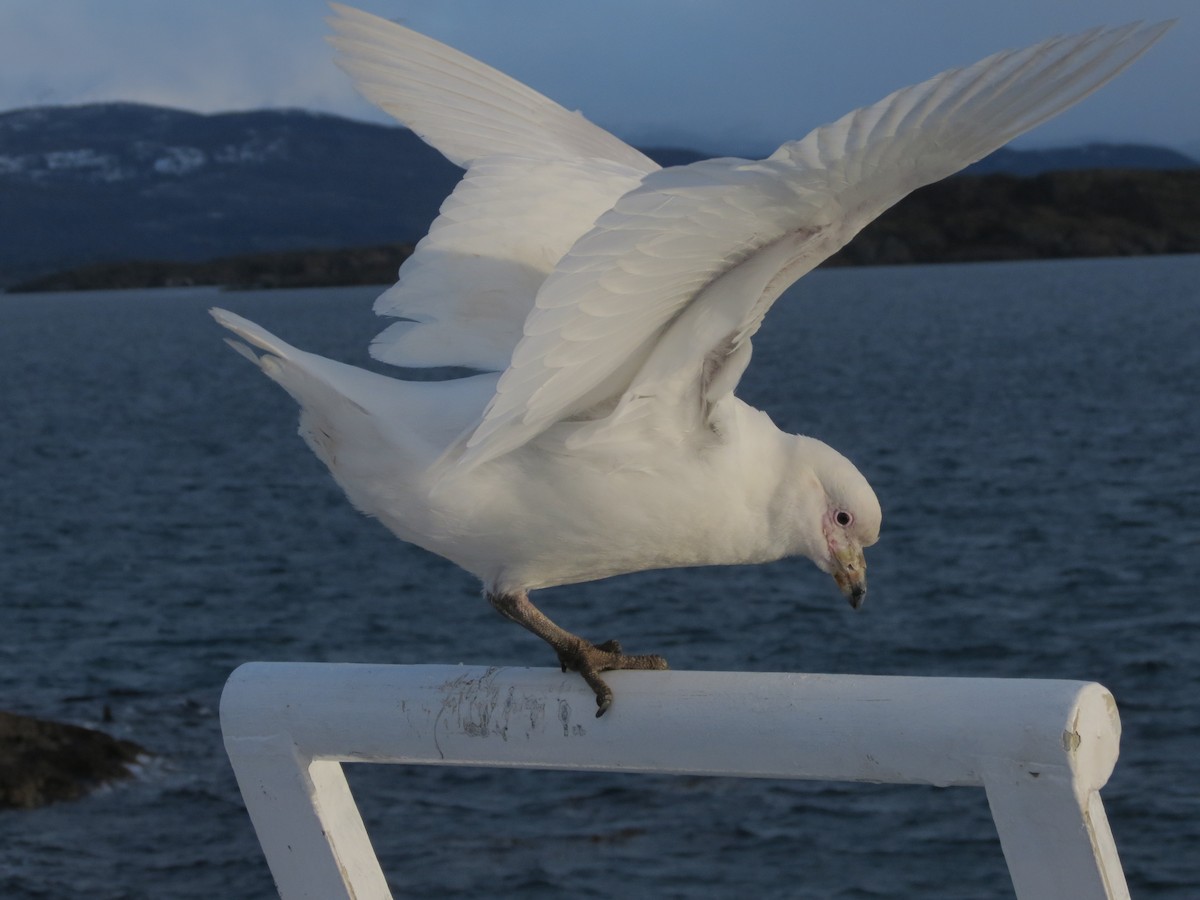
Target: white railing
{"x": 1041, "y": 750}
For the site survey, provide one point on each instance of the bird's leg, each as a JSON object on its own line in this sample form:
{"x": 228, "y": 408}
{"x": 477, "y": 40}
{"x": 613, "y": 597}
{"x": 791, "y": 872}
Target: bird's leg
{"x": 574, "y": 653}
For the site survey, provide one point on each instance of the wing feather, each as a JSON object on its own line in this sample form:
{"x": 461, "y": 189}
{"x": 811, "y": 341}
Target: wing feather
{"x": 464, "y": 108}
{"x": 686, "y": 265}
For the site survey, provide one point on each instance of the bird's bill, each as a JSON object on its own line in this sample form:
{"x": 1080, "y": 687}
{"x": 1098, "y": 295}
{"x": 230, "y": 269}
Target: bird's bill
{"x": 850, "y": 573}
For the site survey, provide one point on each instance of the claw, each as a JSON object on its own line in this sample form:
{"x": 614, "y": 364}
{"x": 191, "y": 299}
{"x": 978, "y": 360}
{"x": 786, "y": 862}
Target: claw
{"x": 603, "y": 703}
{"x": 574, "y": 653}
{"x": 589, "y": 660}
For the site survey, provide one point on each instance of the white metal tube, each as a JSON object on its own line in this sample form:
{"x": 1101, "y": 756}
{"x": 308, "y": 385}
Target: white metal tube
{"x": 1025, "y": 740}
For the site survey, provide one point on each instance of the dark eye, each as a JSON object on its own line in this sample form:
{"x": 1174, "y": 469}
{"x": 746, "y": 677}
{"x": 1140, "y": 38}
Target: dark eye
{"x": 843, "y": 518}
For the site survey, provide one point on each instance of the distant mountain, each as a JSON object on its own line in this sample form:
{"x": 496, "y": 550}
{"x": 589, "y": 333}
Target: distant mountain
{"x": 115, "y": 182}
{"x": 109, "y": 182}
{"x": 1089, "y": 156}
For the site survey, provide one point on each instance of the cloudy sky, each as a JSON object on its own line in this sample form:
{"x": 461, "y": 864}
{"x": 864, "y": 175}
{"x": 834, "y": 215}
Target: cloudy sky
{"x": 735, "y": 76}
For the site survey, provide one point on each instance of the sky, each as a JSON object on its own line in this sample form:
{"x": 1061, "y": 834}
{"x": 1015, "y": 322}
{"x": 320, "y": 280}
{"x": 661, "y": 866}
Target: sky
{"x": 722, "y": 76}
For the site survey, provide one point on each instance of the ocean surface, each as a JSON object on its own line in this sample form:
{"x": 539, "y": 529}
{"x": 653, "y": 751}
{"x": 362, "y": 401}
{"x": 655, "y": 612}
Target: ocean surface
{"x": 1032, "y": 430}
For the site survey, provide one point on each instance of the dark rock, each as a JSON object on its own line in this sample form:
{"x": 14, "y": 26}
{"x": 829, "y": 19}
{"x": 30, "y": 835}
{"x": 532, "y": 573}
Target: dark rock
{"x": 42, "y": 761}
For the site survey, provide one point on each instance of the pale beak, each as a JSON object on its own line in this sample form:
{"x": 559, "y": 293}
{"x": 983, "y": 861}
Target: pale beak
{"x": 850, "y": 573}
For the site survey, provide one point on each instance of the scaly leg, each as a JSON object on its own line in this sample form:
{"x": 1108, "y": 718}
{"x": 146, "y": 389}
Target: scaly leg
{"x": 574, "y": 653}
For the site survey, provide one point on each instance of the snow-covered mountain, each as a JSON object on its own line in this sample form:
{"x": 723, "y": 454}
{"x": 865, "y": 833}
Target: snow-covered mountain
{"x": 121, "y": 181}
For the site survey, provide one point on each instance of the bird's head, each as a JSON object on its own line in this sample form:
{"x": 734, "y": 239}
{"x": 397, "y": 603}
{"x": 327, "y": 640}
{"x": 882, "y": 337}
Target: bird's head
{"x": 841, "y": 516}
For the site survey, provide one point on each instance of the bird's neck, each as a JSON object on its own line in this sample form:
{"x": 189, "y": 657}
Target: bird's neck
{"x": 777, "y": 487}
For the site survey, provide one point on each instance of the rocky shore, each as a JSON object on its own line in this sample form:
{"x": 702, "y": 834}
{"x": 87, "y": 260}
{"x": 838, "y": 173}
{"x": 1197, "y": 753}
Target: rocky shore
{"x": 259, "y": 271}
{"x": 968, "y": 218}
{"x": 1056, "y": 215}
{"x": 43, "y": 762}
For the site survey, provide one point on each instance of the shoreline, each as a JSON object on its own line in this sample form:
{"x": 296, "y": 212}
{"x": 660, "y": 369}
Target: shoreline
{"x": 967, "y": 218}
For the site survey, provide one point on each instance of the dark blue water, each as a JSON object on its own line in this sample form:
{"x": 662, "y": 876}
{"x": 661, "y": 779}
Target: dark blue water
{"x": 1032, "y": 430}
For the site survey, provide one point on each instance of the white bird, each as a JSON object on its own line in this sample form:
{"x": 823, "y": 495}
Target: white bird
{"x": 609, "y": 305}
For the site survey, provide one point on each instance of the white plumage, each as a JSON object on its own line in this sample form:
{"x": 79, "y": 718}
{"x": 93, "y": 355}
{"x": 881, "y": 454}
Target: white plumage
{"x": 611, "y": 305}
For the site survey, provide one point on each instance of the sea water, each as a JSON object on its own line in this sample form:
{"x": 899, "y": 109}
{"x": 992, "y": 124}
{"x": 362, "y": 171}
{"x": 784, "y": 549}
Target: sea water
{"x": 1033, "y": 433}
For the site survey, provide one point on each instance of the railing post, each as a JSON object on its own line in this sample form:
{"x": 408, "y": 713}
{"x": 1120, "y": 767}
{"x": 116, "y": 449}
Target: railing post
{"x": 1041, "y": 749}
{"x": 307, "y": 822}
{"x": 1050, "y": 819}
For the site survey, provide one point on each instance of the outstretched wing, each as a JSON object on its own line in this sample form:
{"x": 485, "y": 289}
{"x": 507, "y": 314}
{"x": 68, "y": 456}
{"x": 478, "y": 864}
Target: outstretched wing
{"x": 661, "y": 297}
{"x": 464, "y": 108}
{"x": 537, "y": 178}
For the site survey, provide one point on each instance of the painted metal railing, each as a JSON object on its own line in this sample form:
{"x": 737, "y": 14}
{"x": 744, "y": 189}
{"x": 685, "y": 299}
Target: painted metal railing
{"x": 1041, "y": 749}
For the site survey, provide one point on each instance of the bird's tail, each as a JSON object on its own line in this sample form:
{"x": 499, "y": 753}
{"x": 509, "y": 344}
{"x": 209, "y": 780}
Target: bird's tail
{"x": 357, "y": 421}
{"x": 331, "y": 394}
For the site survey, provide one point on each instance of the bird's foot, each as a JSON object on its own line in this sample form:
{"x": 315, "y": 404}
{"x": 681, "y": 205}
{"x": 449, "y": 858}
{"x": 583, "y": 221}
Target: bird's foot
{"x": 589, "y": 660}
{"x": 574, "y": 653}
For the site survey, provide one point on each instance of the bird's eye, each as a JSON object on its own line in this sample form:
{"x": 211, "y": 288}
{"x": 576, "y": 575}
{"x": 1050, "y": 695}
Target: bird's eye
{"x": 843, "y": 518}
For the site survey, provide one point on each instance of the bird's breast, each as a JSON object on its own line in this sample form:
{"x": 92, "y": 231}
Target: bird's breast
{"x": 535, "y": 518}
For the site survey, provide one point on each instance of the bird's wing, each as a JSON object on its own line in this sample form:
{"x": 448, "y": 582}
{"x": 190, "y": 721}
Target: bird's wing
{"x": 468, "y": 287}
{"x": 537, "y": 178}
{"x": 464, "y": 108}
{"x": 663, "y": 294}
